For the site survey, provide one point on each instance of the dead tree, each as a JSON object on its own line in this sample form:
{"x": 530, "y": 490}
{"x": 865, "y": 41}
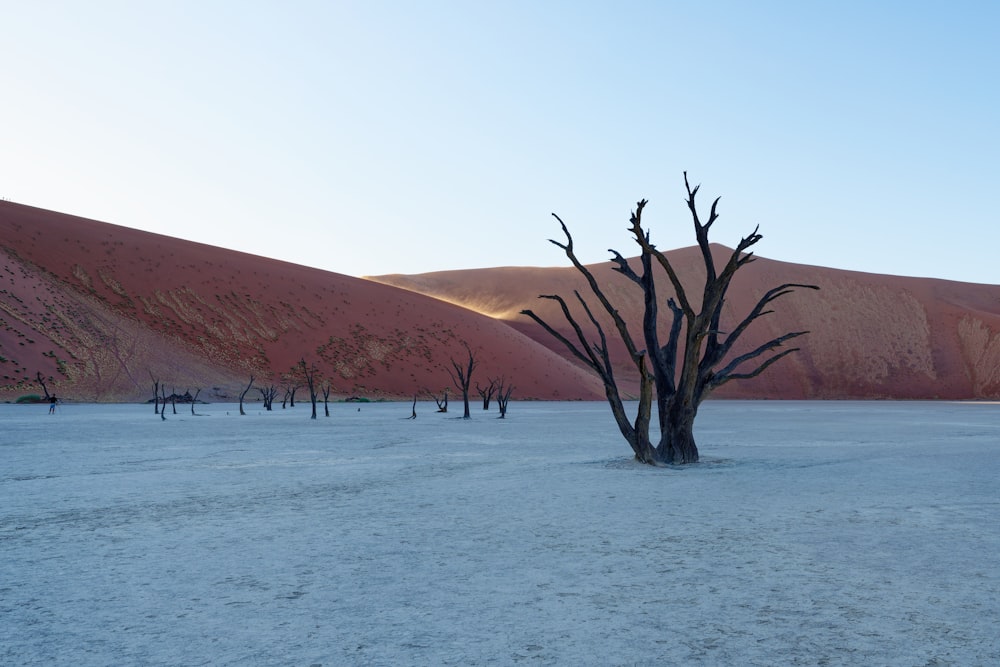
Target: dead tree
{"x": 309, "y": 372}
{"x": 414, "y": 409}
{"x": 194, "y": 399}
{"x": 267, "y": 395}
{"x": 163, "y": 398}
{"x": 289, "y": 398}
{"x": 504, "y": 390}
{"x": 173, "y": 399}
{"x": 291, "y": 381}
{"x": 156, "y": 393}
{"x": 697, "y": 357}
{"x": 326, "y": 398}
{"x": 41, "y": 381}
{"x": 244, "y": 393}
{"x": 487, "y": 392}
{"x": 461, "y": 377}
{"x": 443, "y": 403}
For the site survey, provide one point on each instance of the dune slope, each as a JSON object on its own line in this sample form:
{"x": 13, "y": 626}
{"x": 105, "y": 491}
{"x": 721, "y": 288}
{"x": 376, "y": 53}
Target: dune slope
{"x": 100, "y": 309}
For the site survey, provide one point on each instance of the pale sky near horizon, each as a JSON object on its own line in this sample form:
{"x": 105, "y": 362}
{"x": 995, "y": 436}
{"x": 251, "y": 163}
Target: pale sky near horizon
{"x": 369, "y": 137}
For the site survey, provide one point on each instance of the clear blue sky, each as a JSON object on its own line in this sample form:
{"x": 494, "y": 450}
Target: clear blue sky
{"x": 369, "y": 137}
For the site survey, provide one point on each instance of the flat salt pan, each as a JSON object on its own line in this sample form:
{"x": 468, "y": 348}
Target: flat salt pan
{"x": 839, "y": 533}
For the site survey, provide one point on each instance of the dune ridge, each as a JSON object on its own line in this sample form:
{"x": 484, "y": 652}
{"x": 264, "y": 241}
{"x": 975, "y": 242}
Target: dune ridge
{"x": 100, "y": 309}
{"x": 872, "y": 336}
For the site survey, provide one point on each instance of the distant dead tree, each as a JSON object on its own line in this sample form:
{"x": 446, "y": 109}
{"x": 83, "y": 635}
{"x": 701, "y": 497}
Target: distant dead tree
{"x": 486, "y": 393}
{"x": 414, "y": 409}
{"x": 194, "y": 399}
{"x": 173, "y": 399}
{"x": 443, "y": 403}
{"x": 289, "y": 398}
{"x": 163, "y": 398}
{"x": 291, "y": 380}
{"x": 504, "y": 390}
{"x": 41, "y": 381}
{"x": 461, "y": 376}
{"x": 243, "y": 394}
{"x": 268, "y": 394}
{"x": 696, "y": 336}
{"x": 156, "y": 393}
{"x": 326, "y": 397}
{"x": 309, "y": 373}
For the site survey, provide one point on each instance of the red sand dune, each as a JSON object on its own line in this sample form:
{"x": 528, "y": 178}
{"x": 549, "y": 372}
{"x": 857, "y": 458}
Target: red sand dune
{"x": 871, "y": 336}
{"x": 99, "y": 308}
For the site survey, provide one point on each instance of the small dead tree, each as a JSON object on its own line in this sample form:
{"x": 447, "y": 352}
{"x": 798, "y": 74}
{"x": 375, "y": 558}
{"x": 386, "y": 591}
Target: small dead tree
{"x": 504, "y": 390}
{"x": 414, "y": 409}
{"x": 292, "y": 381}
{"x": 267, "y": 395}
{"x": 194, "y": 399}
{"x": 41, "y": 381}
{"x": 243, "y": 394}
{"x": 461, "y": 377}
{"x": 443, "y": 403}
{"x": 326, "y": 397}
{"x": 173, "y": 399}
{"x": 309, "y": 372}
{"x": 163, "y": 397}
{"x": 487, "y": 392}
{"x": 156, "y": 393}
{"x": 698, "y": 355}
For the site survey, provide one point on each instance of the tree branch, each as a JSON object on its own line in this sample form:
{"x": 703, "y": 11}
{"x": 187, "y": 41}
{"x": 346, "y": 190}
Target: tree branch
{"x": 596, "y": 289}
{"x": 757, "y": 311}
{"x": 643, "y": 240}
{"x": 729, "y": 372}
{"x": 588, "y": 359}
{"x": 623, "y": 267}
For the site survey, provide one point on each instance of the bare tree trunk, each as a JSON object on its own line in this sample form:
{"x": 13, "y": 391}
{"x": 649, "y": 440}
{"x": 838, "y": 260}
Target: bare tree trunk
{"x": 195, "y": 399}
{"x": 677, "y": 445}
{"x": 326, "y": 398}
{"x": 156, "y": 394}
{"x": 414, "y": 409}
{"x": 163, "y": 410}
{"x": 243, "y": 394}
{"x": 310, "y": 374}
{"x": 461, "y": 376}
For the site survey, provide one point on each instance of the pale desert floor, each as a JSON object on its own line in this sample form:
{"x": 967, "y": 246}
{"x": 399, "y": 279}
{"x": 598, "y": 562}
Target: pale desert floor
{"x": 814, "y": 533}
